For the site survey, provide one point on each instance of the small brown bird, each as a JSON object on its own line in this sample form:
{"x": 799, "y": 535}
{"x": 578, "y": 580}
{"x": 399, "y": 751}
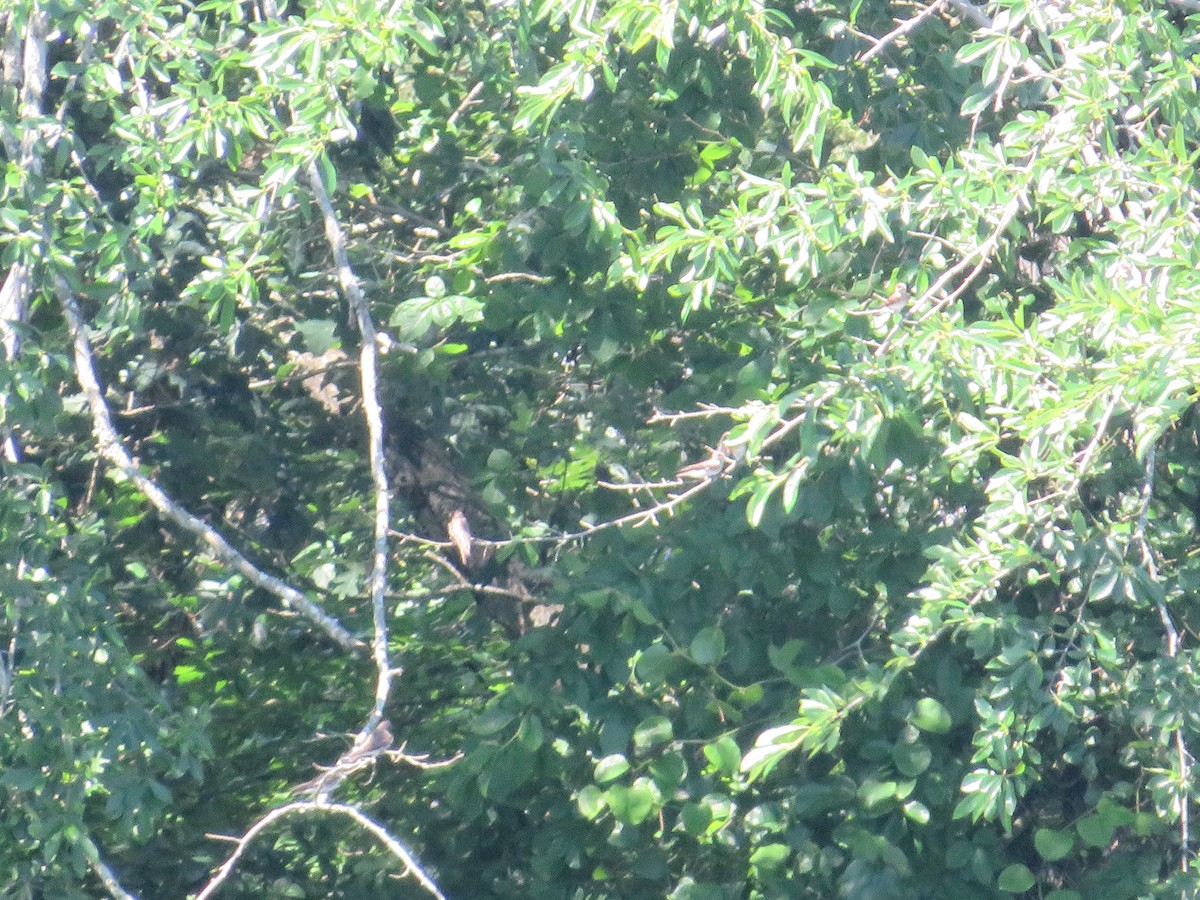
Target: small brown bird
{"x": 716, "y": 464}
{"x": 898, "y": 298}
{"x": 367, "y": 746}
{"x": 459, "y": 530}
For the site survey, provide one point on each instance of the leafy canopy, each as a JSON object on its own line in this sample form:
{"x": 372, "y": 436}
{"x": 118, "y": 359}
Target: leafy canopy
{"x": 920, "y": 626}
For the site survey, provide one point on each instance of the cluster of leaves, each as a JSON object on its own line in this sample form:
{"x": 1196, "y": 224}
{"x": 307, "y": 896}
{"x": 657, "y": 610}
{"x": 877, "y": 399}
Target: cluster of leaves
{"x": 928, "y": 635}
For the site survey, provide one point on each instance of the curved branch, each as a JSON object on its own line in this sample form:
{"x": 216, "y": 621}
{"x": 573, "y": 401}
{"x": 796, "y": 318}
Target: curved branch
{"x": 397, "y": 849}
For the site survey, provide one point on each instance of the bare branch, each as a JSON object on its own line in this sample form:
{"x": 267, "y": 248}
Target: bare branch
{"x": 368, "y": 366}
{"x": 106, "y": 875}
{"x": 397, "y": 849}
{"x": 982, "y": 252}
{"x": 644, "y": 516}
{"x": 1085, "y": 460}
{"x": 810, "y": 407}
{"x": 905, "y": 27}
{"x": 14, "y": 293}
{"x": 461, "y": 585}
{"x": 110, "y": 447}
{"x": 706, "y": 411}
{"x": 467, "y": 102}
{"x": 519, "y": 276}
{"x": 421, "y": 760}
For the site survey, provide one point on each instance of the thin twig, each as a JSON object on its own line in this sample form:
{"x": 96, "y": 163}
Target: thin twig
{"x": 706, "y": 411}
{"x": 397, "y": 849}
{"x": 519, "y": 276}
{"x": 467, "y": 101}
{"x": 111, "y": 448}
{"x": 420, "y": 760}
{"x": 905, "y": 27}
{"x": 1089, "y": 452}
{"x": 983, "y": 251}
{"x": 1183, "y": 756}
{"x": 633, "y": 487}
{"x": 811, "y": 405}
{"x": 642, "y": 517}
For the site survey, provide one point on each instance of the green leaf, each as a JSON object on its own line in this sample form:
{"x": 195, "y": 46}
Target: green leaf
{"x": 708, "y": 646}
{"x": 591, "y": 802}
{"x": 492, "y": 720}
{"x": 929, "y": 715}
{"x": 655, "y": 664}
{"x": 318, "y": 334}
{"x": 188, "y": 674}
{"x": 770, "y": 856}
{"x": 634, "y": 804}
{"x": 917, "y": 812}
{"x": 1016, "y": 879}
{"x": 1053, "y": 845}
{"x": 877, "y": 793}
{"x": 508, "y": 770}
{"x": 668, "y": 771}
{"x": 696, "y": 818}
{"x": 724, "y": 755}
{"x": 1095, "y": 831}
{"x": 911, "y": 759}
{"x": 611, "y": 767}
{"x": 655, "y": 730}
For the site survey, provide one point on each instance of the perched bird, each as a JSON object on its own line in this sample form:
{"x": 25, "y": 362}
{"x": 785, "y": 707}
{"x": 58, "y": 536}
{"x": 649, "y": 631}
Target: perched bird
{"x": 898, "y": 298}
{"x": 718, "y": 462}
{"x": 459, "y": 530}
{"x": 367, "y": 746}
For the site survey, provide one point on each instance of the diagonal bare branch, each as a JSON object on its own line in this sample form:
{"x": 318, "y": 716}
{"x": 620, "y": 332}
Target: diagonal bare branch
{"x": 111, "y": 448}
{"x": 106, "y": 875}
{"x": 902, "y": 29}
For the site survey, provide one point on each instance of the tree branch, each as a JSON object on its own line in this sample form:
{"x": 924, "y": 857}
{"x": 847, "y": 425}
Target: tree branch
{"x": 1183, "y": 756}
{"x": 905, "y": 27}
{"x": 397, "y": 849}
{"x": 106, "y": 875}
{"x": 14, "y": 293}
{"x": 368, "y": 366}
{"x": 110, "y": 447}
{"x": 972, "y": 13}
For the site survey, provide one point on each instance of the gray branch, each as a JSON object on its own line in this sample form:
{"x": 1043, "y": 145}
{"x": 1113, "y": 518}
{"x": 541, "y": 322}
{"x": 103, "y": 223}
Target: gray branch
{"x": 369, "y": 375}
{"x": 111, "y": 448}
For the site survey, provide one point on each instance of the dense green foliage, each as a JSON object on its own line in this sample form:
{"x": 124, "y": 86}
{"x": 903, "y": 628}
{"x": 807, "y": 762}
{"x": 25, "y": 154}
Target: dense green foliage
{"x": 925, "y": 632}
